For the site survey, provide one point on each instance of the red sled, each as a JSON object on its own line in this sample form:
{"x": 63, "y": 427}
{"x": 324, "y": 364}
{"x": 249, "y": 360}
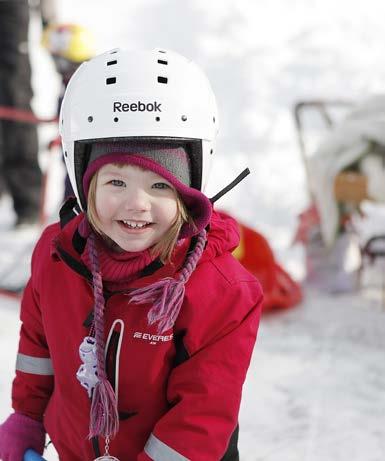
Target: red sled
{"x": 255, "y": 254}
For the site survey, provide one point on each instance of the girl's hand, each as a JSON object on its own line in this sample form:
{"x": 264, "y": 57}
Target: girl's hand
{"x": 18, "y": 434}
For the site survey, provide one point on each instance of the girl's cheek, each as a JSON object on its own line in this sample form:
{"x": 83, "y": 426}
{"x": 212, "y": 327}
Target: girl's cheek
{"x": 106, "y": 197}
{"x": 103, "y": 204}
{"x": 173, "y": 212}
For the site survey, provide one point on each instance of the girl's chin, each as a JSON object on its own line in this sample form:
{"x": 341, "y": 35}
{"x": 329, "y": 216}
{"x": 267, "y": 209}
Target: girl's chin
{"x": 119, "y": 246}
{"x": 131, "y": 247}
{"x": 131, "y": 242}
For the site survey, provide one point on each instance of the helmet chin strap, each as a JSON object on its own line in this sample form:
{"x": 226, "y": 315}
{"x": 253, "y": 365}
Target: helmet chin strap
{"x": 230, "y": 186}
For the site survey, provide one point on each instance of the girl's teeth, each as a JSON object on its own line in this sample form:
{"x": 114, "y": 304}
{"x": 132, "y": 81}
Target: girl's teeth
{"x": 134, "y": 225}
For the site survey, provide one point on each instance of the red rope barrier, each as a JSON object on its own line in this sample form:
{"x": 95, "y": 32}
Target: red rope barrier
{"x": 25, "y": 116}
{"x": 11, "y": 294}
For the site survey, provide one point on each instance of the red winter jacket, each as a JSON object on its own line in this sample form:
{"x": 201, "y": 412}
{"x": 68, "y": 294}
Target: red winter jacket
{"x": 179, "y": 392}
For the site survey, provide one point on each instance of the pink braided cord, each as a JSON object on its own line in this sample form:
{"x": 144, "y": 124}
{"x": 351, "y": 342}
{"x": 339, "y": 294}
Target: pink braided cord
{"x": 104, "y": 418}
{"x": 167, "y": 294}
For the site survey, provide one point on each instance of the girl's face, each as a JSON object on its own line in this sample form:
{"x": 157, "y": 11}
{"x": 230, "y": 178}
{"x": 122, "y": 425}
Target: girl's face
{"x": 135, "y": 207}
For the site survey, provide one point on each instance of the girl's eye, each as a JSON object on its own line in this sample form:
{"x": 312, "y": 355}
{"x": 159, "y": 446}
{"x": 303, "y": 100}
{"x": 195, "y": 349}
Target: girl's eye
{"x": 117, "y": 182}
{"x": 161, "y": 185}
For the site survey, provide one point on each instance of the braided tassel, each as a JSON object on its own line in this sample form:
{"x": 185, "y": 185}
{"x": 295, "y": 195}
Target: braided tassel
{"x": 104, "y": 418}
{"x": 167, "y": 295}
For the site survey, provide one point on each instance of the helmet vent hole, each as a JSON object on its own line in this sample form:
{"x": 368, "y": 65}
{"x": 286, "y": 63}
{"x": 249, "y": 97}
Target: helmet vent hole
{"x": 111, "y": 63}
{"x": 184, "y": 118}
{"x": 116, "y": 119}
{"x": 162, "y": 79}
{"x": 90, "y": 118}
{"x": 160, "y": 61}
{"x": 214, "y": 119}
{"x": 211, "y": 152}
{"x": 110, "y": 81}
{"x": 161, "y": 51}
{"x": 65, "y": 154}
{"x": 114, "y": 51}
{"x": 157, "y": 119}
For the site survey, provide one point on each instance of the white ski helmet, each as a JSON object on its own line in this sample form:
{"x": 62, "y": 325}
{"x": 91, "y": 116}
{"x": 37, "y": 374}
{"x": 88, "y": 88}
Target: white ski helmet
{"x": 153, "y": 95}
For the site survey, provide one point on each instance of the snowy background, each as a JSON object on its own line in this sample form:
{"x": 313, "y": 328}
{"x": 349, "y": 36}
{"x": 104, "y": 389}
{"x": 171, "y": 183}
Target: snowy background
{"x": 315, "y": 389}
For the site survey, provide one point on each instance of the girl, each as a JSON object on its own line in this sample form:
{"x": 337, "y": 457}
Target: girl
{"x": 137, "y": 323}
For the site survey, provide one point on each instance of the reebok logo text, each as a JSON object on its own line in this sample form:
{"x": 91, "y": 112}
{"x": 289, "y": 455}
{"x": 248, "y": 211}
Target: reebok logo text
{"x": 137, "y": 106}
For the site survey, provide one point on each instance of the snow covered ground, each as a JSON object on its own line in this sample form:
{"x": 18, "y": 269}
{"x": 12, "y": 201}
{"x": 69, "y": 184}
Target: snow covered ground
{"x": 315, "y": 389}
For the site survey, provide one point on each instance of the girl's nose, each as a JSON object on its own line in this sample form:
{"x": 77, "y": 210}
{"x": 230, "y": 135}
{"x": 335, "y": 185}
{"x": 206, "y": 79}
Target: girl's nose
{"x": 137, "y": 200}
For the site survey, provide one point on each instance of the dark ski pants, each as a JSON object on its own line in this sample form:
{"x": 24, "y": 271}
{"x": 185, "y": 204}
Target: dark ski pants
{"x": 20, "y": 173}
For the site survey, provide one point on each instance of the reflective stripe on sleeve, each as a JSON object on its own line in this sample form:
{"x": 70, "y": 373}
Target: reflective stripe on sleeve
{"x": 159, "y": 451}
{"x": 35, "y": 365}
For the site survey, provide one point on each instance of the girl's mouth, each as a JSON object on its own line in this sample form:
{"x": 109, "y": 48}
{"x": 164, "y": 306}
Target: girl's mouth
{"x": 135, "y": 225}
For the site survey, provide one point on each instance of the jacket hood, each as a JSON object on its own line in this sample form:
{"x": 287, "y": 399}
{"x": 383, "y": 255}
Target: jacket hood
{"x": 223, "y": 236}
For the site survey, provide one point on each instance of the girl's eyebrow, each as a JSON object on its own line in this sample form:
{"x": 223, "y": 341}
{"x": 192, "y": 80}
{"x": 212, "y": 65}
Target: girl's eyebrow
{"x": 110, "y": 171}
{"x": 160, "y": 179}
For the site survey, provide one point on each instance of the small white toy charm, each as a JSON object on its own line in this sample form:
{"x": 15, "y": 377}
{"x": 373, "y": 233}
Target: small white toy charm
{"x": 87, "y": 374}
